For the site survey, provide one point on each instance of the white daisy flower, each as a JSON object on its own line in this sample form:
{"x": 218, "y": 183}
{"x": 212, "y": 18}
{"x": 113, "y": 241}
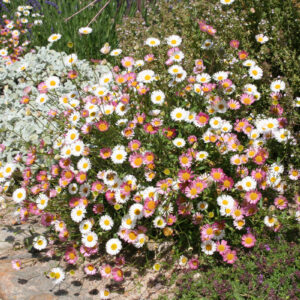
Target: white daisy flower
{"x": 202, "y": 205}
{"x": 8, "y": 169}
{"x": 128, "y": 222}
{"x": 84, "y": 164}
{"x": 261, "y": 38}
{"x": 256, "y": 72}
{"x": 78, "y": 213}
{"x": 145, "y": 76}
{"x": 115, "y": 52}
{"x": 77, "y": 148}
{"x": 105, "y": 79}
{"x": 270, "y": 221}
{"x": 118, "y": 156}
{"x": 250, "y": 89}
{"x": 140, "y": 240}
{"x": 179, "y": 114}
{"x": 248, "y": 184}
{"x": 203, "y": 78}
{"x": 85, "y": 30}
{"x": 157, "y": 97}
{"x": 42, "y": 201}
{"x": 225, "y": 201}
{"x": 66, "y": 151}
{"x": 226, "y": 2}
{"x": 215, "y": 122}
{"x": 57, "y": 274}
{"x": 19, "y": 195}
{"x": 136, "y": 211}
{"x": 201, "y": 155}
{"x": 277, "y": 86}
{"x": 104, "y": 294}
{"x": 113, "y": 246}
{"x": 89, "y": 239}
{"x": 208, "y": 247}
{"x": 159, "y": 222}
{"x": 84, "y": 190}
{"x": 106, "y": 222}
{"x": 249, "y": 63}
{"x": 152, "y": 42}
{"x": 73, "y": 188}
{"x": 101, "y": 91}
{"x": 219, "y": 76}
{"x": 175, "y": 69}
{"x": 174, "y": 40}
{"x": 74, "y": 118}
{"x": 41, "y": 99}
{"x": 85, "y": 226}
{"x": 70, "y": 60}
{"x": 179, "y": 142}
{"x": 54, "y": 37}
{"x": 39, "y": 242}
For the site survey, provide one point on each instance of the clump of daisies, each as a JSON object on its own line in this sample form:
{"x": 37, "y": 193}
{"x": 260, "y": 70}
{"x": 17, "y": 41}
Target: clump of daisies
{"x": 143, "y": 153}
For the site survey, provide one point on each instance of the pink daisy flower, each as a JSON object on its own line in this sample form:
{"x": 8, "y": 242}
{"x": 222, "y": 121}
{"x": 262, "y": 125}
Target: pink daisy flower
{"x": 253, "y": 197}
{"x": 16, "y": 264}
{"x": 193, "y": 264}
{"x": 136, "y": 160}
{"x": 207, "y": 232}
{"x": 106, "y": 271}
{"x": 90, "y": 269}
{"x": 248, "y": 240}
{"x": 127, "y": 62}
{"x": 229, "y": 256}
{"x": 117, "y": 274}
{"x": 222, "y": 246}
{"x": 234, "y": 44}
{"x": 71, "y": 256}
{"x": 247, "y": 99}
{"x": 201, "y": 119}
{"x": 217, "y": 174}
{"x": 281, "y": 202}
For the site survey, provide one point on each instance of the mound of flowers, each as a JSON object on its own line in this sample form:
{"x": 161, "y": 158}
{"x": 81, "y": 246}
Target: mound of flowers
{"x": 144, "y": 151}
{"x": 14, "y": 33}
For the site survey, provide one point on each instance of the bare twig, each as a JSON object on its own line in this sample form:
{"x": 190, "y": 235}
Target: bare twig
{"x": 98, "y": 13}
{"x": 93, "y": 2}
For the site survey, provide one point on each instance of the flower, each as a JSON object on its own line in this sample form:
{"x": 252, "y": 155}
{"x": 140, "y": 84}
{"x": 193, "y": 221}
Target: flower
{"x": 159, "y": 222}
{"x": 270, "y": 221}
{"x": 178, "y": 114}
{"x": 85, "y": 30}
{"x": 90, "y": 269}
{"x": 19, "y": 195}
{"x": 179, "y": 142}
{"x": 152, "y": 42}
{"x": 174, "y": 40}
{"x": 106, "y": 222}
{"x": 104, "y": 294}
{"x": 261, "y": 38}
{"x": 115, "y": 52}
{"x": 16, "y": 264}
{"x": 113, "y": 246}
{"x": 255, "y": 72}
{"x": 39, "y": 242}
{"x": 78, "y": 213}
{"x": 117, "y": 274}
{"x": 230, "y": 256}
{"x": 226, "y": 2}
{"x": 52, "y": 82}
{"x": 208, "y": 247}
{"x": 54, "y": 37}
{"x": 157, "y": 97}
{"x": 57, "y": 274}
{"x": 248, "y": 240}
{"x": 277, "y": 86}
{"x": 118, "y": 155}
{"x": 89, "y": 239}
